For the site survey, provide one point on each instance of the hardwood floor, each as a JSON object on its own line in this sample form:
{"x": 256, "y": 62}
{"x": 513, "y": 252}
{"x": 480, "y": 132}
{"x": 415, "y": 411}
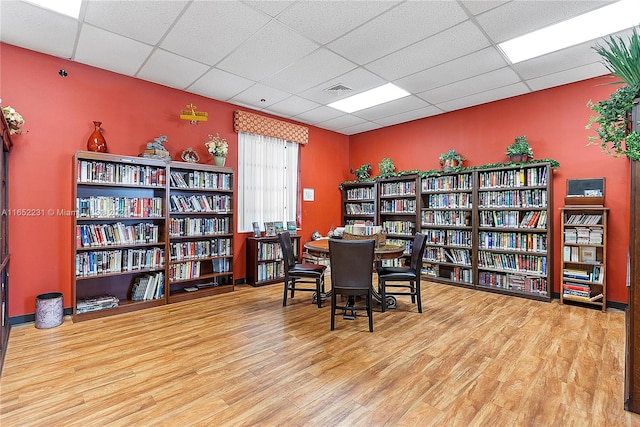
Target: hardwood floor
{"x": 471, "y": 359}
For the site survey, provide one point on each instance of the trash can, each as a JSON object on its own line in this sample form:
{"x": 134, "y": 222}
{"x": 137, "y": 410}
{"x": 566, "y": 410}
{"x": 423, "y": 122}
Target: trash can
{"x": 49, "y": 310}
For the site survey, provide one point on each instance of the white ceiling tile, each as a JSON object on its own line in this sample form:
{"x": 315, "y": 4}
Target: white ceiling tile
{"x": 485, "y": 97}
{"x": 363, "y": 127}
{"x": 410, "y": 115}
{"x": 110, "y": 51}
{"x": 317, "y": 115}
{"x": 359, "y": 80}
{"x": 344, "y": 121}
{"x": 210, "y": 30}
{"x": 218, "y": 84}
{"x": 270, "y": 7}
{"x": 253, "y": 96}
{"x": 478, "y": 6}
{"x": 476, "y": 63}
{"x": 465, "y": 88}
{"x": 568, "y": 76}
{"x": 292, "y": 106}
{"x": 397, "y": 106}
{"x": 399, "y": 27}
{"x": 145, "y": 21}
{"x": 445, "y": 46}
{"x": 31, "y": 27}
{"x": 325, "y": 21}
{"x": 270, "y": 50}
{"x": 309, "y": 71}
{"x": 171, "y": 70}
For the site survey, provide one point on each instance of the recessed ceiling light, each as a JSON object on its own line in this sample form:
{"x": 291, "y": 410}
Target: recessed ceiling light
{"x": 66, "y": 7}
{"x": 590, "y": 26}
{"x": 370, "y": 98}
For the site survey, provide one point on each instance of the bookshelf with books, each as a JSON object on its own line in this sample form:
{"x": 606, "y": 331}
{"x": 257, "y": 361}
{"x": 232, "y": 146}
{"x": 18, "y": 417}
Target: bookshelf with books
{"x": 200, "y": 247}
{"x": 584, "y": 255}
{"x": 514, "y": 222}
{"x": 446, "y": 220}
{"x": 399, "y": 209}
{"x": 359, "y": 203}
{"x": 119, "y": 234}
{"x": 265, "y": 265}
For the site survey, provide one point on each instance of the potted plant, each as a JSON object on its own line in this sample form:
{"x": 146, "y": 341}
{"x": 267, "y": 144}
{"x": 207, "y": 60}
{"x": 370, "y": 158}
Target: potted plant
{"x": 362, "y": 172}
{"x": 520, "y": 150}
{"x": 218, "y": 148}
{"x": 386, "y": 166}
{"x": 613, "y": 120}
{"x": 450, "y": 160}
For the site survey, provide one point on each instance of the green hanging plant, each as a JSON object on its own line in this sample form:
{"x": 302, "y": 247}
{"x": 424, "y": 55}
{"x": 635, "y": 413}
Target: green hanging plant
{"x": 363, "y": 172}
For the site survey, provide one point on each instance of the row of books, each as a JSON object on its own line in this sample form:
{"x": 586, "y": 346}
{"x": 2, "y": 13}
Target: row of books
{"x": 399, "y": 227}
{"x": 148, "y": 287}
{"x": 361, "y": 193}
{"x": 584, "y": 219}
{"x": 580, "y": 292}
{"x": 200, "y": 179}
{"x": 201, "y": 203}
{"x": 509, "y": 219}
{"x": 362, "y": 229}
{"x": 535, "y": 198}
{"x": 269, "y": 251}
{"x": 457, "y": 218}
{"x": 119, "y": 207}
{"x": 531, "y": 242}
{"x": 449, "y": 200}
{"x": 594, "y": 274}
{"x": 221, "y": 265}
{"x": 534, "y": 219}
{"x": 454, "y": 256}
{"x": 398, "y": 206}
{"x": 270, "y": 270}
{"x": 516, "y": 262}
{"x": 401, "y": 188}
{"x": 185, "y": 270}
{"x": 90, "y": 235}
{"x": 199, "y": 226}
{"x": 514, "y": 178}
{"x": 97, "y": 303}
{"x": 515, "y": 282}
{"x": 118, "y": 173}
{"x": 448, "y": 182}
{"x": 200, "y": 249}
{"x": 94, "y": 263}
{"x": 580, "y": 254}
{"x": 360, "y": 208}
{"x": 367, "y": 222}
{"x": 448, "y": 237}
{"x": 584, "y": 235}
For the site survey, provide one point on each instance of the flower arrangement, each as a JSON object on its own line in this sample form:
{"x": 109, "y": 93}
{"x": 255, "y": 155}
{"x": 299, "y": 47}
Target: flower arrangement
{"x": 217, "y": 146}
{"x": 14, "y": 119}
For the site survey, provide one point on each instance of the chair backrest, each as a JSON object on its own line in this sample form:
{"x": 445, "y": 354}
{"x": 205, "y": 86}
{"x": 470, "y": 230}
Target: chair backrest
{"x": 287, "y": 250}
{"x": 351, "y": 263}
{"x": 417, "y": 252}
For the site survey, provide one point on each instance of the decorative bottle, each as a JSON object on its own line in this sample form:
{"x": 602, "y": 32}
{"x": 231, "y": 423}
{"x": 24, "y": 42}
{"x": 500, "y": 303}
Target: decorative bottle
{"x": 96, "y": 140}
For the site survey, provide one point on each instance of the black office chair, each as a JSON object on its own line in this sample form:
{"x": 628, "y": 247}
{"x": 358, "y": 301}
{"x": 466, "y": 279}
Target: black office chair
{"x": 408, "y": 276}
{"x": 351, "y": 275}
{"x": 297, "y": 273}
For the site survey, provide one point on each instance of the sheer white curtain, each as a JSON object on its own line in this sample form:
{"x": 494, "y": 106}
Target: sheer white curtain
{"x": 267, "y": 180}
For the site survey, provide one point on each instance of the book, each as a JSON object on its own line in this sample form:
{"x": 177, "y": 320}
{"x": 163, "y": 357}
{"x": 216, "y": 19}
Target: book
{"x": 292, "y": 227}
{"x": 588, "y": 254}
{"x": 269, "y": 229}
{"x": 278, "y": 226}
{"x": 256, "y": 229}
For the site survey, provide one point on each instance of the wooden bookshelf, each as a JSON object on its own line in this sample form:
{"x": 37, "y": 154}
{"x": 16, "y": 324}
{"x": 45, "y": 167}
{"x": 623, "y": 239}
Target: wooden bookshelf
{"x": 360, "y": 203}
{"x": 265, "y": 265}
{"x": 584, "y": 255}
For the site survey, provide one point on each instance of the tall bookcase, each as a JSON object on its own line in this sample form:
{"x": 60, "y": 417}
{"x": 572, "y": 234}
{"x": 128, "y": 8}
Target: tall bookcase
{"x": 446, "y": 220}
{"x": 5, "y": 327}
{"x": 584, "y": 256}
{"x": 200, "y": 230}
{"x": 399, "y": 209}
{"x": 265, "y": 265}
{"x": 120, "y": 233}
{"x": 360, "y": 203}
{"x": 514, "y": 222}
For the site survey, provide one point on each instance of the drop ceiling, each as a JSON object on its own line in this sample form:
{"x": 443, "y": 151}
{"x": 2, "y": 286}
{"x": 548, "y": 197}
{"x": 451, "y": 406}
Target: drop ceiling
{"x": 292, "y": 58}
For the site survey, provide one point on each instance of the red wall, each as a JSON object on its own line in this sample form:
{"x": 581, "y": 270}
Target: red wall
{"x": 554, "y": 122}
{"x": 59, "y": 114}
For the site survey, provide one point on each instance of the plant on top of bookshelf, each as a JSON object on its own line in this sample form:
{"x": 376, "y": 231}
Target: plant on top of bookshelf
{"x": 520, "y": 150}
{"x": 386, "y": 166}
{"x": 362, "y": 173}
{"x": 450, "y": 160}
{"x": 613, "y": 119}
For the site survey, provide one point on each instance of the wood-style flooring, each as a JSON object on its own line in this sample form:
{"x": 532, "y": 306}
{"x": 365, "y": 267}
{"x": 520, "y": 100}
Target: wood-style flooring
{"x": 241, "y": 359}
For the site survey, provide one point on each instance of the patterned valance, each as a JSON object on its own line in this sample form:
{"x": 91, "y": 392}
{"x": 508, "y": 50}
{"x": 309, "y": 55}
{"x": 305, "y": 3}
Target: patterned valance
{"x": 260, "y": 125}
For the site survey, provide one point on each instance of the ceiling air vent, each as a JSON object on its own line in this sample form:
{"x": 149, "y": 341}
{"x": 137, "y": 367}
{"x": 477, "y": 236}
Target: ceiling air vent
{"x": 339, "y": 88}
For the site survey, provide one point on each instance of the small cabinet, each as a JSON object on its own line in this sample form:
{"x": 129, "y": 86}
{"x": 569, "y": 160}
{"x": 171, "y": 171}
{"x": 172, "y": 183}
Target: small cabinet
{"x": 584, "y": 255}
{"x": 264, "y": 260}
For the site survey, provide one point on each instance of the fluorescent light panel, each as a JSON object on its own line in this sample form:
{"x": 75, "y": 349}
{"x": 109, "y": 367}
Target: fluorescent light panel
{"x": 592, "y": 25}
{"x": 66, "y": 7}
{"x": 370, "y": 98}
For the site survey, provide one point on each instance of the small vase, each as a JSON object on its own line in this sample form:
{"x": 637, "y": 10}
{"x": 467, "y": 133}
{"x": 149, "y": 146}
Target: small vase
{"x": 219, "y": 160}
{"x": 96, "y": 141}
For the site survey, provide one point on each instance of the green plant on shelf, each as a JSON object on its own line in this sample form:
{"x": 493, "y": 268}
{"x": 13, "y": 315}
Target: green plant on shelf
{"x": 520, "y": 150}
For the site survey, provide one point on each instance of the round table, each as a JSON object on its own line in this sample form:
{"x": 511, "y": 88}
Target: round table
{"x": 320, "y": 248}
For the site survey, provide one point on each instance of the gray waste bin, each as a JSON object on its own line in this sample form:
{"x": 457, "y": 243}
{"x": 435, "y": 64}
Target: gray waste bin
{"x": 49, "y": 310}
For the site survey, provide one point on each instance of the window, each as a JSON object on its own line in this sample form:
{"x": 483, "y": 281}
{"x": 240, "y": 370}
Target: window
{"x": 267, "y": 180}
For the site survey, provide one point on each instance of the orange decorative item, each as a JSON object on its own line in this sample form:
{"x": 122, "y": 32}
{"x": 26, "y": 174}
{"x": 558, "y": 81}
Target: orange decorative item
{"x": 96, "y": 140}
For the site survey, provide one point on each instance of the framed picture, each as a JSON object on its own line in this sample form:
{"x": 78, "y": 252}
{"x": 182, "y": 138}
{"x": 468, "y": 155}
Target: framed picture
{"x": 279, "y": 226}
{"x": 292, "y": 227}
{"x": 256, "y": 229}
{"x": 269, "y": 229}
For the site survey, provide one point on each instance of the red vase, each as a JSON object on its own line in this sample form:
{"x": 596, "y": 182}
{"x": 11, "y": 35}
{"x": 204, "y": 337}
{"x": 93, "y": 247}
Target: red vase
{"x": 96, "y": 140}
